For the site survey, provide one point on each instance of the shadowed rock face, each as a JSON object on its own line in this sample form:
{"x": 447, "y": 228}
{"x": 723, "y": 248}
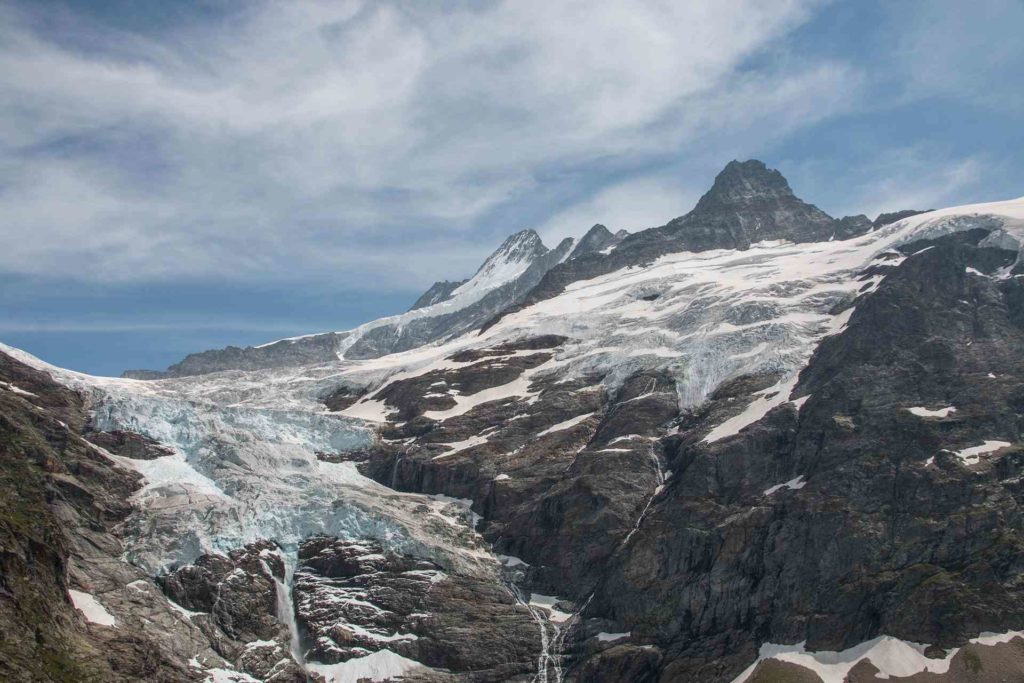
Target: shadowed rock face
{"x": 888, "y": 531}
{"x": 597, "y": 239}
{"x": 128, "y": 444}
{"x": 887, "y": 218}
{"x": 237, "y": 589}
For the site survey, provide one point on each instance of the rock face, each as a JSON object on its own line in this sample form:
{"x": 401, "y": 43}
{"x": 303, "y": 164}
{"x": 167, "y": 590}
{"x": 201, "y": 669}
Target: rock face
{"x": 237, "y": 589}
{"x": 438, "y": 292}
{"x": 598, "y": 239}
{"x": 884, "y": 524}
{"x": 559, "y": 478}
{"x": 355, "y": 598}
{"x": 128, "y": 444}
{"x": 887, "y": 218}
{"x": 61, "y": 502}
{"x": 748, "y": 203}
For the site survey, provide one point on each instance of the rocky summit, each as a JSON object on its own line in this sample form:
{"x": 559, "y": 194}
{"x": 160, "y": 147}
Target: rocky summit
{"x": 754, "y": 444}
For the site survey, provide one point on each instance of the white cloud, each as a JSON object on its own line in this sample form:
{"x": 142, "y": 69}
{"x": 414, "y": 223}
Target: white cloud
{"x": 632, "y": 205}
{"x": 316, "y": 140}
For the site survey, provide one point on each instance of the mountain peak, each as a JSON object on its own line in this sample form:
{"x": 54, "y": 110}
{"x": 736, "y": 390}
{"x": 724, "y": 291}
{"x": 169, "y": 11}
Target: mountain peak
{"x": 741, "y": 183}
{"x": 748, "y": 203}
{"x": 509, "y": 261}
{"x": 598, "y": 238}
{"x": 518, "y": 241}
{"x": 520, "y": 247}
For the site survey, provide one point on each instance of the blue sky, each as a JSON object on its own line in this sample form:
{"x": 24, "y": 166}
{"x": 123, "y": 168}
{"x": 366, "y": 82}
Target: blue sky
{"x": 181, "y": 176}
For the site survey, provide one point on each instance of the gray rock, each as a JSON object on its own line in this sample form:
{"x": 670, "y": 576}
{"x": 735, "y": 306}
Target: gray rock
{"x": 438, "y": 292}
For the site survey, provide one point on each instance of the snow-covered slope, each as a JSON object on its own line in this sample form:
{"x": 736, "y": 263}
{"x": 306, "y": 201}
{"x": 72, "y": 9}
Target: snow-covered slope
{"x": 707, "y": 316}
{"x": 511, "y": 260}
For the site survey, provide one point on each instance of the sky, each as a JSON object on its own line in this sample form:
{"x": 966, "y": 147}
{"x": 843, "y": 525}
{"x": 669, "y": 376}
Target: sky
{"x": 188, "y": 175}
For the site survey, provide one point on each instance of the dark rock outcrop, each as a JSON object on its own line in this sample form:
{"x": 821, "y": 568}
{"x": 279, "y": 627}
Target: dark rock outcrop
{"x": 237, "y": 589}
{"x": 128, "y": 444}
{"x": 885, "y": 530}
{"x": 597, "y": 239}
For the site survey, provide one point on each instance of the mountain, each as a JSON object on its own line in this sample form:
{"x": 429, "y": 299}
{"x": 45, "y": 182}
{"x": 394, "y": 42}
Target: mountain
{"x": 747, "y": 203}
{"x": 446, "y": 309}
{"x": 598, "y": 239}
{"x": 755, "y": 452}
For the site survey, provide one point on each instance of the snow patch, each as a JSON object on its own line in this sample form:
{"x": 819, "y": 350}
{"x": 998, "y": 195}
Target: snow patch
{"x": 989, "y": 638}
{"x": 971, "y": 456}
{"x": 921, "y": 411}
{"x": 893, "y": 657}
{"x": 17, "y": 390}
{"x": 377, "y": 666}
{"x": 793, "y": 484}
{"x": 457, "y": 446}
{"x": 766, "y": 400}
{"x": 567, "y": 424}
{"x": 187, "y": 613}
{"x": 90, "y": 607}
{"x": 228, "y": 676}
{"x": 547, "y": 602}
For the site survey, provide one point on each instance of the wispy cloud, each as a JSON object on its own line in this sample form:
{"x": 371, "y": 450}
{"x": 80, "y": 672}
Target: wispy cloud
{"x": 311, "y": 140}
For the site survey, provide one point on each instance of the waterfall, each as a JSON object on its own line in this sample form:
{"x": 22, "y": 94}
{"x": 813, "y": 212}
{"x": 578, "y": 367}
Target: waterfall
{"x": 394, "y": 472}
{"x": 285, "y": 605}
{"x": 546, "y": 659}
